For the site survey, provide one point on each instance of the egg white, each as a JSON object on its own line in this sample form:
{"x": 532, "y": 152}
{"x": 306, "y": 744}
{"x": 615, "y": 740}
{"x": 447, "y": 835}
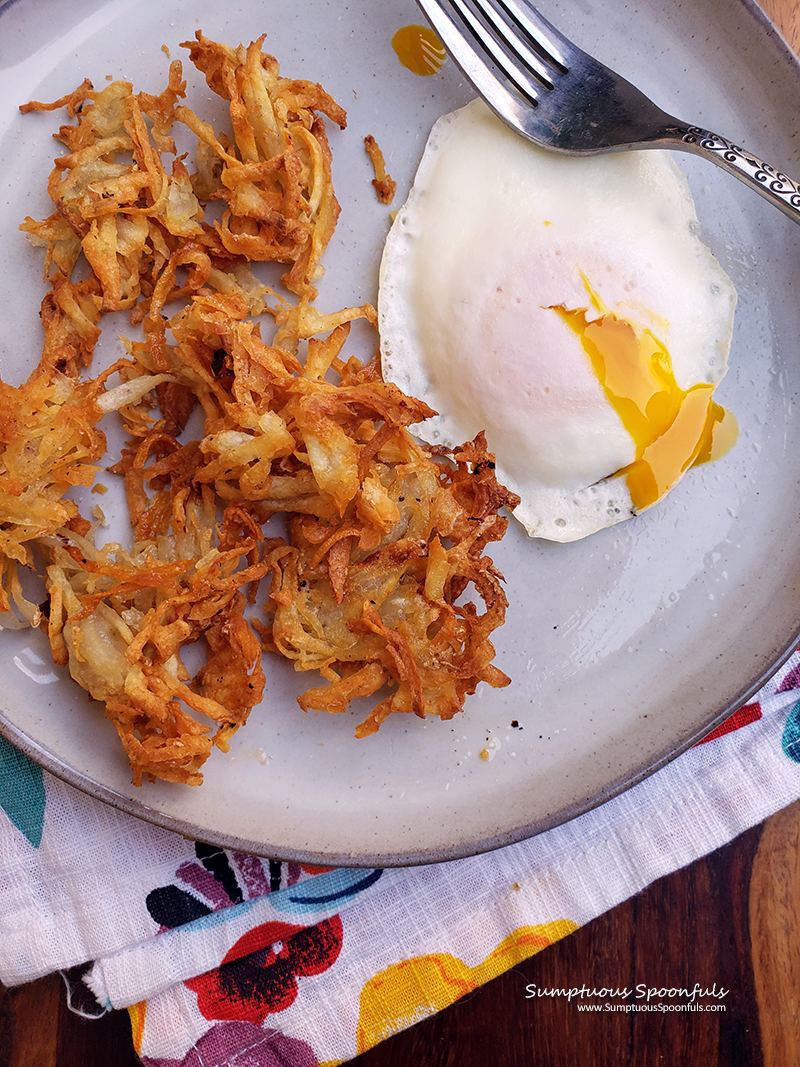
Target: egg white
{"x": 494, "y": 234}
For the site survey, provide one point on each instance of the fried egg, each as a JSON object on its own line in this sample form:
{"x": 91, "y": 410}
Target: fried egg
{"x": 567, "y": 307}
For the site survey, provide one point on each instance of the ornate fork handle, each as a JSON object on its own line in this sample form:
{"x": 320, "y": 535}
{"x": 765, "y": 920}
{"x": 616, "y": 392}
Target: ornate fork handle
{"x": 774, "y": 186}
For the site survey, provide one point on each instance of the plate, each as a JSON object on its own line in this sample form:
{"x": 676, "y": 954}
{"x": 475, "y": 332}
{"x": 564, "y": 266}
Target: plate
{"x": 625, "y": 648}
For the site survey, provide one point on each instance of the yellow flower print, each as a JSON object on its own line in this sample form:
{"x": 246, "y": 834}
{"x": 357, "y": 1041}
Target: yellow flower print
{"x": 411, "y": 990}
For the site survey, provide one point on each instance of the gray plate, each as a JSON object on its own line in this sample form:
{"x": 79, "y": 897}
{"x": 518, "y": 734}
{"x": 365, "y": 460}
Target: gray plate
{"x": 625, "y": 648}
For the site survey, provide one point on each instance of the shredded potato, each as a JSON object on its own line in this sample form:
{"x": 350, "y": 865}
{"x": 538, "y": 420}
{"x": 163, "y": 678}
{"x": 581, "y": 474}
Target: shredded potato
{"x": 367, "y": 583}
{"x": 384, "y": 184}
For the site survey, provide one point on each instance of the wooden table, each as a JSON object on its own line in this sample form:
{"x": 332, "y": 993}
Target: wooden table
{"x": 731, "y": 918}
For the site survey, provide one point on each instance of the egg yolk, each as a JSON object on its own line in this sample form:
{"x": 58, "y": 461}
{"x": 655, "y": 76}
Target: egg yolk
{"x": 672, "y": 428}
{"x": 419, "y": 49}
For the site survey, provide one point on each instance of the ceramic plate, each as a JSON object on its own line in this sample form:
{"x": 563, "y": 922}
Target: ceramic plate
{"x": 624, "y": 648}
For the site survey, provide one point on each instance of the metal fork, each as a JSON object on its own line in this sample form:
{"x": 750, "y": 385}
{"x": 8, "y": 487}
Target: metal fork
{"x": 557, "y": 96}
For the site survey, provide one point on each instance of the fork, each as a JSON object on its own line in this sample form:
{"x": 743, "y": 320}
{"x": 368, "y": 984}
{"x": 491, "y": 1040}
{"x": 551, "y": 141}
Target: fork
{"x": 561, "y": 98}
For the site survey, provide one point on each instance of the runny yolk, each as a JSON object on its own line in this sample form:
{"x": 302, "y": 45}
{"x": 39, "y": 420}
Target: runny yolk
{"x": 672, "y": 428}
{"x": 419, "y": 49}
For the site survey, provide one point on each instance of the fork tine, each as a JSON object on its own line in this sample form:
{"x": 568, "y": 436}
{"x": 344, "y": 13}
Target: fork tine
{"x": 474, "y": 58}
{"x": 510, "y": 48}
{"x": 554, "y": 45}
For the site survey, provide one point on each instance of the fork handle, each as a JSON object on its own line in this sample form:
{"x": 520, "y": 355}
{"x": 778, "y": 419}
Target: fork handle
{"x": 774, "y": 186}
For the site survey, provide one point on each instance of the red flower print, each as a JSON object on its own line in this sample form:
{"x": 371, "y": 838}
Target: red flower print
{"x": 743, "y": 717}
{"x": 259, "y": 974}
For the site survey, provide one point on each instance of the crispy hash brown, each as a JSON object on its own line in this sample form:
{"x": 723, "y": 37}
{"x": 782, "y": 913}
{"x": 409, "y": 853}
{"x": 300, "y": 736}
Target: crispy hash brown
{"x": 367, "y": 578}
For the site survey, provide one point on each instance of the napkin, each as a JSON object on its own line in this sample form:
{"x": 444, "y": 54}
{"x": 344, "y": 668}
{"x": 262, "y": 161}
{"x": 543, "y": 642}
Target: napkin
{"x": 228, "y": 960}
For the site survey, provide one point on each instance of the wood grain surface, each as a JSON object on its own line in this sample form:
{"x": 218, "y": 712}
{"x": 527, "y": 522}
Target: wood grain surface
{"x": 730, "y": 919}
{"x": 786, "y": 16}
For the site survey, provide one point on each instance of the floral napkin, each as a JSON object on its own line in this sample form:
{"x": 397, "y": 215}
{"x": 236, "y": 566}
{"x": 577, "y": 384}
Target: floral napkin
{"x": 227, "y": 960}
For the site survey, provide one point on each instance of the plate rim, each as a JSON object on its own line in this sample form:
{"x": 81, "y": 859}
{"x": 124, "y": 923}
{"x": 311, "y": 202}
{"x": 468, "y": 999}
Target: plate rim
{"x": 47, "y": 759}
